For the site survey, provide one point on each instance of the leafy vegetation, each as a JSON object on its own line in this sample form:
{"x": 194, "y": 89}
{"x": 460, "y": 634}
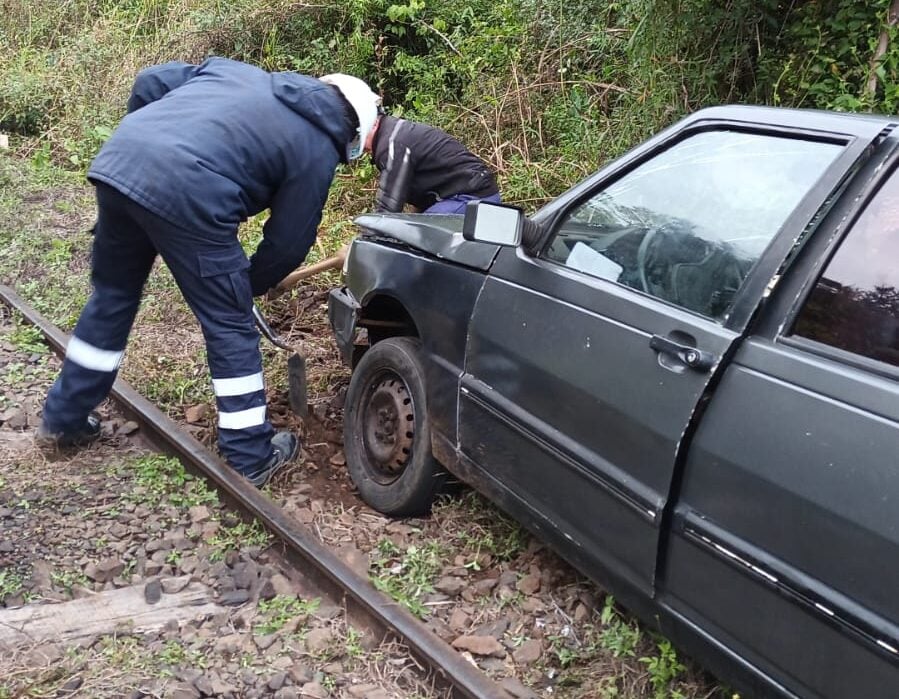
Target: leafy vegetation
{"x": 407, "y": 576}
{"x": 236, "y": 537}
{"x": 545, "y": 91}
{"x": 10, "y": 583}
{"x": 276, "y": 612}
{"x": 162, "y": 479}
{"x": 28, "y": 338}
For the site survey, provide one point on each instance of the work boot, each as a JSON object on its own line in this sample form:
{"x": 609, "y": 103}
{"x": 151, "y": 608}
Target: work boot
{"x": 74, "y": 438}
{"x": 286, "y": 446}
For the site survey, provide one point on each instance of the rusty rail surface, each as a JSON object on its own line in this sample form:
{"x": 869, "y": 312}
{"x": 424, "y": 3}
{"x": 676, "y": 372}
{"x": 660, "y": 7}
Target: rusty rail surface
{"x": 366, "y": 606}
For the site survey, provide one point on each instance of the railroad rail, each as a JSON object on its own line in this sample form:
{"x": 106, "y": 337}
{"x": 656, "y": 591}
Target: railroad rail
{"x": 366, "y": 607}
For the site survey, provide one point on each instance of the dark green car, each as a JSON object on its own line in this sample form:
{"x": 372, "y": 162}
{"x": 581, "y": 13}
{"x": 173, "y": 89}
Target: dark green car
{"x": 683, "y": 373}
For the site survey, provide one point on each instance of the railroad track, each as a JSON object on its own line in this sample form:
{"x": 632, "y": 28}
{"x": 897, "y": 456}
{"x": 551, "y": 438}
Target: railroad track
{"x": 366, "y": 608}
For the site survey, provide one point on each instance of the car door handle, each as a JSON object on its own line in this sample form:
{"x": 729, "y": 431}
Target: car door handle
{"x": 690, "y": 356}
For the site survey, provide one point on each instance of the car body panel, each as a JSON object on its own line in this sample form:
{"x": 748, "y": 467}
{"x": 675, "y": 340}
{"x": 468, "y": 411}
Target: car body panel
{"x": 439, "y": 235}
{"x": 443, "y": 304}
{"x": 788, "y": 494}
{"x": 594, "y": 411}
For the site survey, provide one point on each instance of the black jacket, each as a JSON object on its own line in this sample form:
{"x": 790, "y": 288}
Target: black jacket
{"x": 207, "y": 146}
{"x": 440, "y": 166}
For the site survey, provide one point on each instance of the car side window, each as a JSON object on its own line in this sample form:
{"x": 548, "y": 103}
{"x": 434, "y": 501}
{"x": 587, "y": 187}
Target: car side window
{"x": 687, "y": 225}
{"x": 854, "y": 305}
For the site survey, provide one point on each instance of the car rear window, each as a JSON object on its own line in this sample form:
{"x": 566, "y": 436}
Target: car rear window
{"x": 854, "y": 306}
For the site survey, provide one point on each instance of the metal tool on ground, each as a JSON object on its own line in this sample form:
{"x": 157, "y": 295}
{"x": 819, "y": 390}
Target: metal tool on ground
{"x": 297, "y": 395}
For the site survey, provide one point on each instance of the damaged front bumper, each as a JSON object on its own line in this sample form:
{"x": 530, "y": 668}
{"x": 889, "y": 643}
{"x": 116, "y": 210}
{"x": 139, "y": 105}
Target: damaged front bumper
{"x": 343, "y": 314}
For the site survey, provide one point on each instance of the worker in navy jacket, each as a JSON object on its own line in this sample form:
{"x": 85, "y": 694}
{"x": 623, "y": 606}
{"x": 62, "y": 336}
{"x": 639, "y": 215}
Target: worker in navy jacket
{"x": 202, "y": 148}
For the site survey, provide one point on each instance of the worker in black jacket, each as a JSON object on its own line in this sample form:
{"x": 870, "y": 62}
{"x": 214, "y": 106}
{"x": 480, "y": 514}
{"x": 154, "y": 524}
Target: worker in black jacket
{"x": 424, "y": 166}
{"x": 202, "y": 148}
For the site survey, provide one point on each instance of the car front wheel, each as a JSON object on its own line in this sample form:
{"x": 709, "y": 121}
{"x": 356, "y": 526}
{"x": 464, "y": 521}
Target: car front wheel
{"x": 387, "y": 438}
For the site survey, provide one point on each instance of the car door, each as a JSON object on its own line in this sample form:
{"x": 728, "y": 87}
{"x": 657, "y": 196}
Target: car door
{"x": 586, "y": 361}
{"x": 785, "y": 544}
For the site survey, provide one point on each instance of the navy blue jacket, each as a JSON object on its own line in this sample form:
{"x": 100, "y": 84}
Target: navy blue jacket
{"x": 207, "y": 146}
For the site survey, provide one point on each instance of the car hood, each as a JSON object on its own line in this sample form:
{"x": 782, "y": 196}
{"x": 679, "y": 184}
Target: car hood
{"x": 439, "y": 235}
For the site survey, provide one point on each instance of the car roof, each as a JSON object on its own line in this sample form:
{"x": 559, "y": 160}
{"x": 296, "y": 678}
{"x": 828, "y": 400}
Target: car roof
{"x": 783, "y": 116}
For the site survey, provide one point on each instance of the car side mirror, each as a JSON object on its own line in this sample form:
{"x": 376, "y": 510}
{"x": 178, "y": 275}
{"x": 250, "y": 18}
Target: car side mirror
{"x": 487, "y": 222}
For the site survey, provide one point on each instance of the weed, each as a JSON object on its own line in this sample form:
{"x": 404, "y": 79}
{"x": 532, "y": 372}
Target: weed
{"x": 618, "y": 636}
{"x": 560, "y": 646}
{"x": 279, "y": 610}
{"x": 10, "y": 583}
{"x": 67, "y": 579}
{"x": 173, "y": 654}
{"x": 241, "y": 535}
{"x": 130, "y": 565}
{"x": 28, "y": 338}
{"x": 486, "y": 531}
{"x": 15, "y": 373}
{"x": 59, "y": 252}
{"x": 664, "y": 669}
{"x": 122, "y": 651}
{"x": 353, "y": 644}
{"x": 169, "y": 387}
{"x": 407, "y": 576}
{"x": 161, "y": 479}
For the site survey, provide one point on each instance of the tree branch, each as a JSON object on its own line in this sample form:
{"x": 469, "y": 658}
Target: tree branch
{"x": 880, "y": 51}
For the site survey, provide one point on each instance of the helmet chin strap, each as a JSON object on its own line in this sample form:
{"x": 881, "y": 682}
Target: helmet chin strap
{"x": 354, "y": 147}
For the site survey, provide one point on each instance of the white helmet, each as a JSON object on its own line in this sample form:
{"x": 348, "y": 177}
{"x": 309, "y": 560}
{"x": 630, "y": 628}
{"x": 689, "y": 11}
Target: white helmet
{"x": 365, "y": 104}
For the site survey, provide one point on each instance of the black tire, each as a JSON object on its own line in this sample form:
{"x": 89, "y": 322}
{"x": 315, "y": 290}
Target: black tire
{"x": 386, "y": 433}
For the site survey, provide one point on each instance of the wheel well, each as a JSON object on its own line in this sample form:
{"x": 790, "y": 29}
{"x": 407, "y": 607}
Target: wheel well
{"x": 382, "y": 317}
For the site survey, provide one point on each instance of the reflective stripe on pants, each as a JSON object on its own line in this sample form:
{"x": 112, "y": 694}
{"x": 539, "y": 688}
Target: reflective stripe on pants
{"x": 211, "y": 271}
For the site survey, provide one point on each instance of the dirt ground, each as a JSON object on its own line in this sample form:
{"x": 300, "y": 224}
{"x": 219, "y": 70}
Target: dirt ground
{"x": 86, "y": 526}
{"x": 478, "y": 580}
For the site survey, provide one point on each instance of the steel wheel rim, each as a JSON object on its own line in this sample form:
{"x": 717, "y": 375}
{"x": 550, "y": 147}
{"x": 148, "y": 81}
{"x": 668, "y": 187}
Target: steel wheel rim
{"x": 388, "y": 426}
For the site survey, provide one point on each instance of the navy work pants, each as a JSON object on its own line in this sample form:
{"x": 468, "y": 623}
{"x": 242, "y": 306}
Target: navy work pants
{"x": 456, "y": 204}
{"x": 211, "y": 270}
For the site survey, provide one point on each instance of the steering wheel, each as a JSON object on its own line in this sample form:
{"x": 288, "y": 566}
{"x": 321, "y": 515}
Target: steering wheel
{"x": 642, "y": 254}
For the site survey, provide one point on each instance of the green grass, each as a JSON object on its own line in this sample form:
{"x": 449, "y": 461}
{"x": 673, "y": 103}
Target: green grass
{"x": 486, "y": 531}
{"x": 28, "y": 338}
{"x": 275, "y": 613}
{"x": 237, "y": 538}
{"x": 407, "y": 576}
{"x": 161, "y": 479}
{"x": 67, "y": 579}
{"x": 10, "y": 583}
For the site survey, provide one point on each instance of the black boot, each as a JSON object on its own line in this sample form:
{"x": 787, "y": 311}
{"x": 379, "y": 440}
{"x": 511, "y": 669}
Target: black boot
{"x": 286, "y": 446}
{"x": 75, "y": 438}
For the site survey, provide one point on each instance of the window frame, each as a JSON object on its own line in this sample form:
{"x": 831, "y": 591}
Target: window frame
{"x": 786, "y": 335}
{"x": 753, "y": 288}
